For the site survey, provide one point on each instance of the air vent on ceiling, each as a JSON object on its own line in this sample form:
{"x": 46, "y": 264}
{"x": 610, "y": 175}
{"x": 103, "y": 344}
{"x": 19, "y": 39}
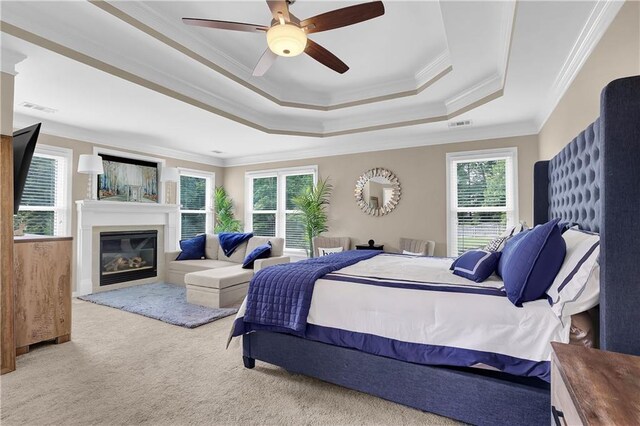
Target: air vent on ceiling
{"x": 37, "y": 107}
{"x": 461, "y": 123}
{"x": 216, "y": 151}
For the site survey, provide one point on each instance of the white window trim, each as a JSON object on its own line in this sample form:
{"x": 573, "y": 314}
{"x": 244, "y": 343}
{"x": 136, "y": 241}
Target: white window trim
{"x": 161, "y": 164}
{"x": 64, "y": 195}
{"x": 511, "y": 187}
{"x": 209, "y": 207}
{"x": 280, "y": 211}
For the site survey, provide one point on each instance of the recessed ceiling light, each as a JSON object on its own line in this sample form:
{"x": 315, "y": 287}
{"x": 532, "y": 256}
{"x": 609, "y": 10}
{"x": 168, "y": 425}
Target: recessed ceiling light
{"x": 37, "y": 107}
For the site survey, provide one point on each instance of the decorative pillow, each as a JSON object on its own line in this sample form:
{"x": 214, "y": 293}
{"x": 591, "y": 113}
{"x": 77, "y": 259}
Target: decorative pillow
{"x": 508, "y": 249}
{"x": 229, "y": 241}
{"x": 259, "y": 252}
{"x": 411, "y": 253}
{"x": 193, "y": 248}
{"x": 327, "y": 251}
{"x": 476, "y": 265}
{"x": 576, "y": 288}
{"x": 498, "y": 243}
{"x": 532, "y": 263}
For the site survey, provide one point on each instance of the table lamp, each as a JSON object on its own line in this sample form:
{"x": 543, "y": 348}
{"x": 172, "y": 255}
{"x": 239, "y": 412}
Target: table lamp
{"x": 90, "y": 165}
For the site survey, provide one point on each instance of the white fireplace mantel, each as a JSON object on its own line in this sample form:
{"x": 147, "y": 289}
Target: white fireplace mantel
{"x": 92, "y": 213}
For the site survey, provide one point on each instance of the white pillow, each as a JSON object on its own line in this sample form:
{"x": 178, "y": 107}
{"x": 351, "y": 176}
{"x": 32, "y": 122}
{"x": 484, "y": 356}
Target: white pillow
{"x": 576, "y": 288}
{"x": 327, "y": 251}
{"x": 411, "y": 253}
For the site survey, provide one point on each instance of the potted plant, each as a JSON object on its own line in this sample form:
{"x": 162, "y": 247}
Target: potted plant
{"x": 225, "y": 221}
{"x": 312, "y": 204}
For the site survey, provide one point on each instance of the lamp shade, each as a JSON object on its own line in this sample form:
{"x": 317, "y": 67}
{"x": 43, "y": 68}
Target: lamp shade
{"x": 90, "y": 164}
{"x": 169, "y": 174}
{"x": 286, "y": 40}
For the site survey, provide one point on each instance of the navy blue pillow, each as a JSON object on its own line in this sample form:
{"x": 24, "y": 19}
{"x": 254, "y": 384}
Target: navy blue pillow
{"x": 259, "y": 252}
{"x": 229, "y": 241}
{"x": 476, "y": 265}
{"x": 508, "y": 249}
{"x": 193, "y": 248}
{"x": 533, "y": 263}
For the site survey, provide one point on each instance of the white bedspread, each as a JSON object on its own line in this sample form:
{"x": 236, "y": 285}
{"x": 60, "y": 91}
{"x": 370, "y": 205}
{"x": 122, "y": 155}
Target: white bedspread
{"x": 418, "y": 300}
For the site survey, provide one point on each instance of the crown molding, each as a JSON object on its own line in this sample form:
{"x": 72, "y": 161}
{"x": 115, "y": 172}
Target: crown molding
{"x": 93, "y": 137}
{"x": 382, "y": 144}
{"x": 283, "y": 126}
{"x": 241, "y": 74}
{"x": 474, "y": 93}
{"x": 600, "y": 18}
{"x": 360, "y": 146}
{"x": 9, "y": 60}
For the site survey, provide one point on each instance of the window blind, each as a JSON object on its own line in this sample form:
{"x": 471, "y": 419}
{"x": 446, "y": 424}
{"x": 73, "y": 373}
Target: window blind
{"x": 294, "y": 224}
{"x": 481, "y": 198}
{"x": 195, "y": 211}
{"x": 42, "y": 208}
{"x": 265, "y": 206}
{"x": 273, "y": 212}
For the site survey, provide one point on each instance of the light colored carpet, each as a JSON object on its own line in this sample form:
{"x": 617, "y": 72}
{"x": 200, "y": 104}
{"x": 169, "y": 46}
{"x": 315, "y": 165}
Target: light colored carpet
{"x": 122, "y": 368}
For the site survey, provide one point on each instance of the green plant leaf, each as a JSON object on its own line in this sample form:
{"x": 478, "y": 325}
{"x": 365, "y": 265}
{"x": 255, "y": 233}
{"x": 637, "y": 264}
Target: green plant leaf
{"x": 312, "y": 203}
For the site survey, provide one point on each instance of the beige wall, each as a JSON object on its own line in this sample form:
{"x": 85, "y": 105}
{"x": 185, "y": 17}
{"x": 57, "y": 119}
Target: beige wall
{"x": 422, "y": 174}
{"x": 7, "y": 83}
{"x": 616, "y": 55}
{"x": 79, "y": 181}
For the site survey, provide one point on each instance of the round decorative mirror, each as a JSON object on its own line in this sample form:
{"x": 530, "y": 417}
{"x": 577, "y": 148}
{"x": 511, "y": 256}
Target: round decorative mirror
{"x": 377, "y": 192}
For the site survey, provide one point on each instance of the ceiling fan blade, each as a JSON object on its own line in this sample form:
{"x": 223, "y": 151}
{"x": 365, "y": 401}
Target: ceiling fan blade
{"x": 343, "y": 17}
{"x": 325, "y": 57}
{"x": 264, "y": 63}
{"x": 225, "y": 25}
{"x": 279, "y": 8}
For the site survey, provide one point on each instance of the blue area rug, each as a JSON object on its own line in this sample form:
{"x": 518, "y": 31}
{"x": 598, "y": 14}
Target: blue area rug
{"x": 164, "y": 302}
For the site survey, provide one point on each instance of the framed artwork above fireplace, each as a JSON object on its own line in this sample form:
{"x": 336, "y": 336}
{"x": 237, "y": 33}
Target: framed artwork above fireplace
{"x": 128, "y": 180}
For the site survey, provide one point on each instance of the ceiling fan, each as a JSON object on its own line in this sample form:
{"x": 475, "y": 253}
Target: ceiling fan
{"x": 287, "y": 35}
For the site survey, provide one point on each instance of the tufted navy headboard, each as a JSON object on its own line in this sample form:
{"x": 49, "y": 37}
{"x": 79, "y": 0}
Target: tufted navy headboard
{"x": 594, "y": 182}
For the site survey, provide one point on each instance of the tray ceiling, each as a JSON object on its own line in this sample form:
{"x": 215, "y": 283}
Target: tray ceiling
{"x": 411, "y": 70}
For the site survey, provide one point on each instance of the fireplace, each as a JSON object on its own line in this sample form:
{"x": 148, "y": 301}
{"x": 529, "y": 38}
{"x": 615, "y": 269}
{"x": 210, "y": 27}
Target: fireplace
{"x": 128, "y": 256}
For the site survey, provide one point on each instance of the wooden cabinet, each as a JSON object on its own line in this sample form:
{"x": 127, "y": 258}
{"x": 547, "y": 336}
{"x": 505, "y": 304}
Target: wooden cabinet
{"x": 592, "y": 387}
{"x": 42, "y": 273}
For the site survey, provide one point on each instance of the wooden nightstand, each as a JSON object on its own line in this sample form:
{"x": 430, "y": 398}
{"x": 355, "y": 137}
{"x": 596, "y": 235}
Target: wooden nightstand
{"x": 593, "y": 387}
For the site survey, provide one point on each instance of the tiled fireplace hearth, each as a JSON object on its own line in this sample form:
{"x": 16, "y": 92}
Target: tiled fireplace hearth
{"x": 120, "y": 242}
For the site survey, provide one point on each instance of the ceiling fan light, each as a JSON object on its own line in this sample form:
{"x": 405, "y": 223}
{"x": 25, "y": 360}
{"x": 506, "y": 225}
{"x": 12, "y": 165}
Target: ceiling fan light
{"x": 286, "y": 40}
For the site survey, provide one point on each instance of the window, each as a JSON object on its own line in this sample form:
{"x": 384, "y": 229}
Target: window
{"x": 45, "y": 207}
{"x": 271, "y": 211}
{"x": 195, "y": 193}
{"x": 482, "y": 197}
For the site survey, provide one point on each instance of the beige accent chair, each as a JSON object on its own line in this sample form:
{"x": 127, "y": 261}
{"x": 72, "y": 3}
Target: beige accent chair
{"x": 217, "y": 280}
{"x": 330, "y": 242}
{"x": 424, "y": 247}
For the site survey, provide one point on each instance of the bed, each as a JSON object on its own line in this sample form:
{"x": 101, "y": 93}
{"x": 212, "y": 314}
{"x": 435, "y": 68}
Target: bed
{"x": 593, "y": 182}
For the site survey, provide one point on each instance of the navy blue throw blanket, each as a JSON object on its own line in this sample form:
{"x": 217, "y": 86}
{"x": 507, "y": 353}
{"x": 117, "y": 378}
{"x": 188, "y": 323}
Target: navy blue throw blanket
{"x": 279, "y": 297}
{"x": 229, "y": 241}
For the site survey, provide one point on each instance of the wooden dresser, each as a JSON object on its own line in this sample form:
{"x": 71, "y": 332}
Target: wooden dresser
{"x": 42, "y": 273}
{"x": 593, "y": 387}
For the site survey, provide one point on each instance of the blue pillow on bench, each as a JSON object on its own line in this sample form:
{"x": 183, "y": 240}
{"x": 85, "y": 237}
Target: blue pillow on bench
{"x": 259, "y": 252}
{"x": 193, "y": 248}
{"x": 530, "y": 264}
{"x": 476, "y": 265}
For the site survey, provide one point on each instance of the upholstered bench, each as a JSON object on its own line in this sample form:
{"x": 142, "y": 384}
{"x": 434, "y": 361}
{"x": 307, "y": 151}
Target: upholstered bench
{"x": 218, "y": 288}
{"x": 223, "y": 287}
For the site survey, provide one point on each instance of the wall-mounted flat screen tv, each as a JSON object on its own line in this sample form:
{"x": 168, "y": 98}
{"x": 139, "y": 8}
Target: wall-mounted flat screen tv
{"x": 24, "y": 144}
